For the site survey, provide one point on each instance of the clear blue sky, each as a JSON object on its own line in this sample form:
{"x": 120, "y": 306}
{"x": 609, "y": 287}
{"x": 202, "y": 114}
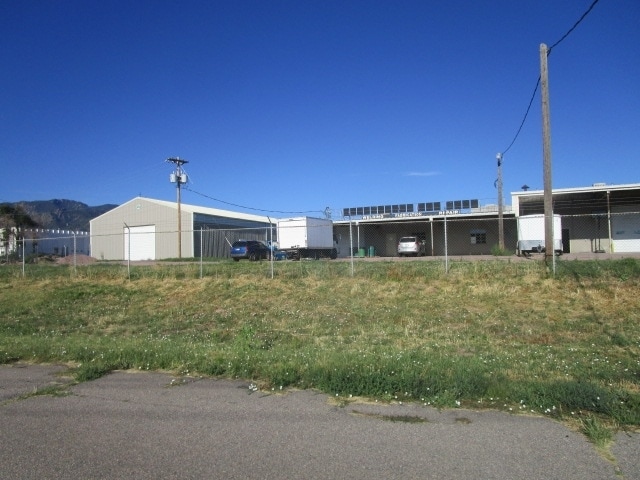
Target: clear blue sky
{"x": 291, "y": 106}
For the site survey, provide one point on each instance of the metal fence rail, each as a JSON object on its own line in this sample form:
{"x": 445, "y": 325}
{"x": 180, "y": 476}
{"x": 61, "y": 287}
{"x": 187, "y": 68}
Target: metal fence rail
{"x": 441, "y": 238}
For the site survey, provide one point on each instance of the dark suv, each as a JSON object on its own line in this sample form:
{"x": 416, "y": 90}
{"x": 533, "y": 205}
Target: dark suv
{"x": 251, "y": 249}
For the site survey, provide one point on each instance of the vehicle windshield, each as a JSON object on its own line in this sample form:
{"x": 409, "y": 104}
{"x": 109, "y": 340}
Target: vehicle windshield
{"x": 408, "y": 240}
{"x": 239, "y": 244}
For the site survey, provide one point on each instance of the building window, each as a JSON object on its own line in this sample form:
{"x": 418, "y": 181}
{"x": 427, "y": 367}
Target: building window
{"x": 478, "y": 236}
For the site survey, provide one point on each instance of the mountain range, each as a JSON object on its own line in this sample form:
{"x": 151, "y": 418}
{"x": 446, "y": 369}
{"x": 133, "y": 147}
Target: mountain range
{"x": 62, "y": 214}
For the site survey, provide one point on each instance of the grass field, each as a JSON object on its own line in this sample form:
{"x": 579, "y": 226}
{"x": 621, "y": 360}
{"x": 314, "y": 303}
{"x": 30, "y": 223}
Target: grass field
{"x": 490, "y": 334}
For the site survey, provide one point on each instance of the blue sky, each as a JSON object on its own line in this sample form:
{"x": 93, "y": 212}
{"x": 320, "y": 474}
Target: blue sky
{"x": 294, "y": 106}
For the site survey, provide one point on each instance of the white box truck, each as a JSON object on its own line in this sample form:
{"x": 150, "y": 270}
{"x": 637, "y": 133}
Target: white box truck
{"x": 531, "y": 235}
{"x": 306, "y": 237}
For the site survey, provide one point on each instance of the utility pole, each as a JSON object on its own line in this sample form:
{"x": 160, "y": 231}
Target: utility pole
{"x": 500, "y": 205}
{"x": 549, "y": 251}
{"x": 178, "y": 177}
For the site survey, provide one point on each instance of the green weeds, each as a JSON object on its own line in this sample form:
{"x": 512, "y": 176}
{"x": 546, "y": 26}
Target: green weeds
{"x": 495, "y": 334}
{"x": 596, "y": 431}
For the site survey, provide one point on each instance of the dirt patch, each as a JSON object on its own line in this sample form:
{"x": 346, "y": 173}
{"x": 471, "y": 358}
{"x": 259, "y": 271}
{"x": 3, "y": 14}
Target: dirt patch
{"x": 76, "y": 260}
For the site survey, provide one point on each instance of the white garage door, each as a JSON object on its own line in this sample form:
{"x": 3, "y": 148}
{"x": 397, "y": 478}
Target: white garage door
{"x": 625, "y": 230}
{"x": 140, "y": 243}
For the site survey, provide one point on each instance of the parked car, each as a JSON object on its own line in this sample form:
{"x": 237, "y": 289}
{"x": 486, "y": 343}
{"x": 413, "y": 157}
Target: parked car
{"x": 249, "y": 249}
{"x": 411, "y": 246}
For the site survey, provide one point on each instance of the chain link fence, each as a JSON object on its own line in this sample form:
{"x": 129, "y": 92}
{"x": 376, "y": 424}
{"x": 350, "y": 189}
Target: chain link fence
{"x": 574, "y": 235}
{"x": 438, "y": 238}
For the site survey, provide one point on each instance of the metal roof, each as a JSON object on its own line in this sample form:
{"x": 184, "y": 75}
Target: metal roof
{"x": 596, "y": 187}
{"x": 195, "y": 209}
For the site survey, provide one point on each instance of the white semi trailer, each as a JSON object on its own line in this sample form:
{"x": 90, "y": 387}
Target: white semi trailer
{"x": 531, "y": 237}
{"x": 306, "y": 237}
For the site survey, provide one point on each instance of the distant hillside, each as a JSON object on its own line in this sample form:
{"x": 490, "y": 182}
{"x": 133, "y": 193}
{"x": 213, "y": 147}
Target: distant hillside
{"x": 63, "y": 214}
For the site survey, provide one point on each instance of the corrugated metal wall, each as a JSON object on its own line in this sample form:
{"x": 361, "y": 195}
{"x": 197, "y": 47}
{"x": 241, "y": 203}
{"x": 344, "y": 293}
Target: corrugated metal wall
{"x": 217, "y": 243}
{"x": 107, "y": 230}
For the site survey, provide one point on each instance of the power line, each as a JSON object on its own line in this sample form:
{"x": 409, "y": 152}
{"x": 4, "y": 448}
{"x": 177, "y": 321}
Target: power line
{"x": 251, "y": 208}
{"x": 524, "y": 119}
{"x": 572, "y": 28}
{"x": 535, "y": 90}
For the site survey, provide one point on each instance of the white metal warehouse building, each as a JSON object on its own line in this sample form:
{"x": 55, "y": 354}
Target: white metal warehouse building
{"x": 147, "y": 229}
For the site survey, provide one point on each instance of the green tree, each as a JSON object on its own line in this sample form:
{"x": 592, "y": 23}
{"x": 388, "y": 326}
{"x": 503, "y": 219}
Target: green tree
{"x": 13, "y": 222}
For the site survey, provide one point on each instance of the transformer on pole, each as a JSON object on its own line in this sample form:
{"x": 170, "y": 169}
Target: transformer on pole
{"x": 178, "y": 177}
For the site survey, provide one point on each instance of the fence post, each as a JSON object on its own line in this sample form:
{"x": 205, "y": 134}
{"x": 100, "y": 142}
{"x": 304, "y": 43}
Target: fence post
{"x": 271, "y": 246}
{"x": 351, "y": 244}
{"x": 128, "y": 250}
{"x": 446, "y": 245}
{"x": 432, "y": 246}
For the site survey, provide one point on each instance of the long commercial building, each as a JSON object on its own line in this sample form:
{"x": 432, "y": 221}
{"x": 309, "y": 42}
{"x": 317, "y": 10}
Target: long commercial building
{"x": 599, "y": 218}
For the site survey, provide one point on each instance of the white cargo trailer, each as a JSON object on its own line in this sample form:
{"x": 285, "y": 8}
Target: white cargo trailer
{"x": 531, "y": 237}
{"x": 306, "y": 237}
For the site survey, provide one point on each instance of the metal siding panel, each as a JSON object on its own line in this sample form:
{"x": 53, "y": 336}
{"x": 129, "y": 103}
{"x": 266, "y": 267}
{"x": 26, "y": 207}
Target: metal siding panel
{"x": 107, "y": 230}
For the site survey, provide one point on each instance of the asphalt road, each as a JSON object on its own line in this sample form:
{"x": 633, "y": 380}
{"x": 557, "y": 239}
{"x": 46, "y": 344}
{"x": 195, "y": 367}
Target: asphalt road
{"x": 155, "y": 426}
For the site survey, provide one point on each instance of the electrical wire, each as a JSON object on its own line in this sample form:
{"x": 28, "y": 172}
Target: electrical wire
{"x": 572, "y": 28}
{"x": 535, "y": 90}
{"x": 251, "y": 208}
{"x": 524, "y": 119}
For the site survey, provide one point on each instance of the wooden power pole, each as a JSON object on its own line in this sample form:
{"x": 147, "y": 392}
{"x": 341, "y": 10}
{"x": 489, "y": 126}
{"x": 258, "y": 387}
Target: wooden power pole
{"x": 500, "y": 205}
{"x": 546, "y": 154}
{"x": 179, "y": 178}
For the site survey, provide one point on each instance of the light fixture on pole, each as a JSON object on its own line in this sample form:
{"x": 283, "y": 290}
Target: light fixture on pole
{"x": 178, "y": 177}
